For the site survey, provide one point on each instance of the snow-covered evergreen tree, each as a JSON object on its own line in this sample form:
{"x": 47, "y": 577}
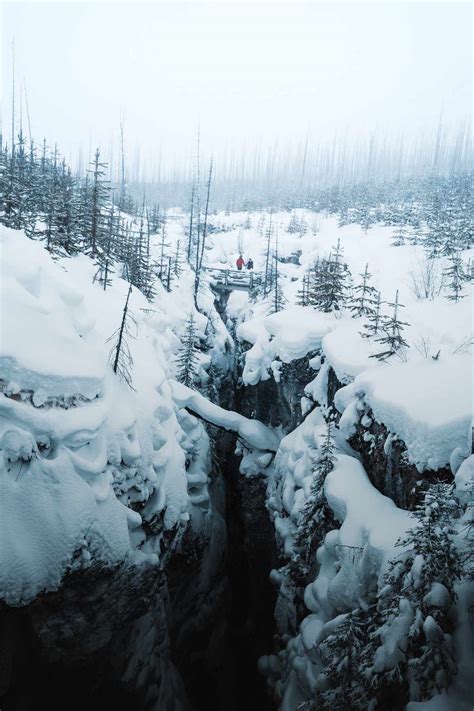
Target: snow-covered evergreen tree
{"x": 177, "y": 260}
{"x": 316, "y": 518}
{"x": 96, "y": 224}
{"x": 302, "y": 297}
{"x": 328, "y": 288}
{"x": 392, "y": 336}
{"x": 187, "y": 358}
{"x": 105, "y": 262}
{"x": 455, "y": 277}
{"x": 364, "y": 297}
{"x": 277, "y": 298}
{"x": 340, "y": 654}
{"x": 294, "y": 224}
{"x": 412, "y": 647}
{"x": 374, "y": 320}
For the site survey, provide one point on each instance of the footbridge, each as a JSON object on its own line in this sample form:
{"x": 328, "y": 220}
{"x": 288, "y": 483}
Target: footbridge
{"x": 234, "y": 279}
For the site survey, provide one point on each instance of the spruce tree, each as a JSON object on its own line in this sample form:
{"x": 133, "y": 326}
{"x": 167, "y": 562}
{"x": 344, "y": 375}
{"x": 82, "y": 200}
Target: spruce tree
{"x": 177, "y": 261}
{"x": 105, "y": 261}
{"x": 392, "y": 329}
{"x": 328, "y": 288}
{"x": 374, "y": 320}
{"x": 162, "y": 265}
{"x": 96, "y": 229}
{"x": 302, "y": 297}
{"x": 455, "y": 277}
{"x": 364, "y": 297}
{"x": 52, "y": 203}
{"x": 400, "y": 235}
{"x": 340, "y": 654}
{"x": 293, "y": 225}
{"x": 278, "y": 299}
{"x": 420, "y": 584}
{"x": 268, "y": 259}
{"x": 316, "y": 518}
{"x": 188, "y": 355}
{"x": 65, "y": 218}
{"x": 141, "y": 271}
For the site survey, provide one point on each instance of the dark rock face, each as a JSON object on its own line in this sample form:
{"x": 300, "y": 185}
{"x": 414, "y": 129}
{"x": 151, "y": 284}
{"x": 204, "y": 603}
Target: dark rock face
{"x": 334, "y": 384}
{"x": 293, "y": 258}
{"x": 72, "y": 648}
{"x": 388, "y": 467}
{"x": 278, "y": 404}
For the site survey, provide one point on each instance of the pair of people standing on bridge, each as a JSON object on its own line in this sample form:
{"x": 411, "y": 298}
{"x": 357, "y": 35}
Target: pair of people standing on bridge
{"x": 240, "y": 263}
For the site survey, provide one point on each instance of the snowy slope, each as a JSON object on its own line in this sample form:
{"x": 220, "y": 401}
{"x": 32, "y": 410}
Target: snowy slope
{"x": 85, "y": 458}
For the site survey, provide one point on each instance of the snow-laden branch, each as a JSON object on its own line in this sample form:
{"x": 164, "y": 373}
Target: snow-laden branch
{"x": 253, "y": 432}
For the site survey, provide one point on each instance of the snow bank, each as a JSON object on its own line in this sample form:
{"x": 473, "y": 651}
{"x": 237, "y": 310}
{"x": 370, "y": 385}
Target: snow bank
{"x": 428, "y": 404}
{"x": 53, "y": 521}
{"x": 287, "y": 335}
{"x": 79, "y": 447}
{"x": 44, "y": 324}
{"x": 347, "y": 352}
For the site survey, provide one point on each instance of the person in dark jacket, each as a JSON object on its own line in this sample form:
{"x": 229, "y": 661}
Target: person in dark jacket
{"x": 240, "y": 263}
{"x": 250, "y": 263}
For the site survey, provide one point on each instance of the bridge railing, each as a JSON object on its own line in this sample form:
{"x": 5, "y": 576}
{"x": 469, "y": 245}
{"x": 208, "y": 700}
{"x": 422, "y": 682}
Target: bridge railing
{"x": 234, "y": 277}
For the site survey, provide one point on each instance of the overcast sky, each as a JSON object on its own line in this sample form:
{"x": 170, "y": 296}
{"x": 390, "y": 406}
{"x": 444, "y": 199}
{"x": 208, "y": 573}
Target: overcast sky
{"x": 248, "y": 71}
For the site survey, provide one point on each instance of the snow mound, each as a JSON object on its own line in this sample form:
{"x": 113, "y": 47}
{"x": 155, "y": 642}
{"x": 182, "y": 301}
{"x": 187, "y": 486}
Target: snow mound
{"x": 347, "y": 352}
{"x": 427, "y": 404}
{"x": 80, "y": 450}
{"x": 287, "y": 335}
{"x": 44, "y": 322}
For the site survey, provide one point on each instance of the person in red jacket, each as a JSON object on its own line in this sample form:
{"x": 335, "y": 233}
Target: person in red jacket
{"x": 240, "y": 263}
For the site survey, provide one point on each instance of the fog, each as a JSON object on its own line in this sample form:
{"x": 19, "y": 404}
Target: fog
{"x": 272, "y": 74}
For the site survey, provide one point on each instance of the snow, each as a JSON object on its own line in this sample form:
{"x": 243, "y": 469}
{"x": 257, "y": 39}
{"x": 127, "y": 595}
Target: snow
{"x": 352, "y": 558}
{"x": 37, "y": 300}
{"x": 464, "y": 480}
{"x": 367, "y": 516}
{"x": 427, "y": 404}
{"x": 79, "y": 447}
{"x": 347, "y": 352}
{"x": 255, "y": 434}
{"x": 287, "y": 335}
{"x": 50, "y": 515}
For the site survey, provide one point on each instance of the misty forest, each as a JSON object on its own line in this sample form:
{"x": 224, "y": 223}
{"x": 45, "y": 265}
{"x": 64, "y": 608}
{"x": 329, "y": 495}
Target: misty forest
{"x": 236, "y": 465}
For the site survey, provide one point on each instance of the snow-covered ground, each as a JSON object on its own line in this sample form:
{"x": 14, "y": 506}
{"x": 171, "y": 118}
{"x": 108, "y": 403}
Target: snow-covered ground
{"x": 425, "y": 394}
{"x": 86, "y": 458}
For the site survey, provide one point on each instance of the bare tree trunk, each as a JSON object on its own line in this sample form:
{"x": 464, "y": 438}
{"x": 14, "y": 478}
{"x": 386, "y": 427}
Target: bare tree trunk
{"x": 13, "y": 96}
{"x": 267, "y": 257}
{"x": 206, "y": 214}
{"x": 122, "y": 328}
{"x": 190, "y": 237}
